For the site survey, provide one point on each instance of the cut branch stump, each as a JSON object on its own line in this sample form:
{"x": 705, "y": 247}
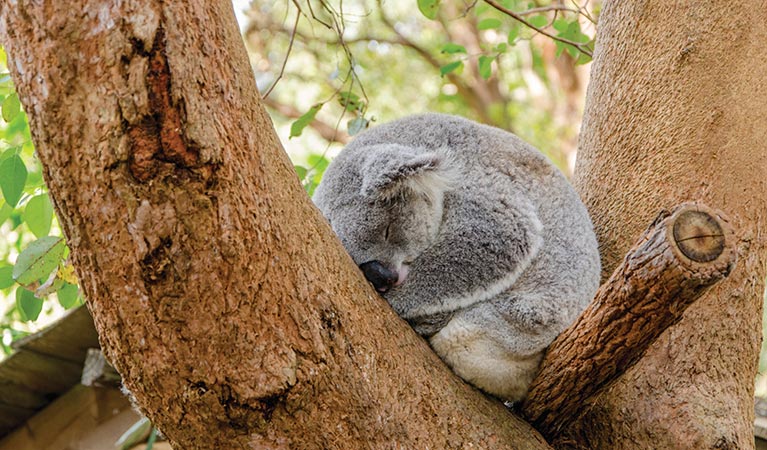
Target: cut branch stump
{"x": 676, "y": 260}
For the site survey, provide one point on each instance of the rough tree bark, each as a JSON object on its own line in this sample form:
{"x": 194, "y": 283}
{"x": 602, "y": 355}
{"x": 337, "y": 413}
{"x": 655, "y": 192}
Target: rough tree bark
{"x": 219, "y": 292}
{"x": 676, "y": 110}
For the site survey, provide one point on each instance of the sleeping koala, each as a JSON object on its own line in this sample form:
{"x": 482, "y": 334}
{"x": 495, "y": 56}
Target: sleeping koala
{"x": 471, "y": 235}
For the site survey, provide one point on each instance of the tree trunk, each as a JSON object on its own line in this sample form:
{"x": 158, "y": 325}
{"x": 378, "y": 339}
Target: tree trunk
{"x": 219, "y": 293}
{"x": 677, "y": 110}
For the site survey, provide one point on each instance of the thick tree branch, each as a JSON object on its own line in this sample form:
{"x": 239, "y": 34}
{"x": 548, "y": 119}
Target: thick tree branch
{"x": 677, "y": 259}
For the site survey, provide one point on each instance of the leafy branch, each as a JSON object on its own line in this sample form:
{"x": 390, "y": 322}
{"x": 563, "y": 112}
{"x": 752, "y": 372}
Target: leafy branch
{"x": 582, "y": 47}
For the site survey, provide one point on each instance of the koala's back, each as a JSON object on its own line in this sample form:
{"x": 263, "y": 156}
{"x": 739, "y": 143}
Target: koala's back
{"x": 568, "y": 263}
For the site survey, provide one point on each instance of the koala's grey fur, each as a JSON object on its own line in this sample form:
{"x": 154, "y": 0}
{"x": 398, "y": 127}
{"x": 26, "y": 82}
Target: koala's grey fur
{"x": 501, "y": 252}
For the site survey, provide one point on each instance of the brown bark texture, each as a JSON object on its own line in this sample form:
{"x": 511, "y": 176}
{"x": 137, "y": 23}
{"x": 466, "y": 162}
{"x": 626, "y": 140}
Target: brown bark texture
{"x": 675, "y": 261}
{"x": 219, "y": 293}
{"x": 676, "y": 110}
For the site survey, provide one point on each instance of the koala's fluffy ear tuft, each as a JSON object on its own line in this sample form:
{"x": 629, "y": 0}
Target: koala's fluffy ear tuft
{"x": 396, "y": 171}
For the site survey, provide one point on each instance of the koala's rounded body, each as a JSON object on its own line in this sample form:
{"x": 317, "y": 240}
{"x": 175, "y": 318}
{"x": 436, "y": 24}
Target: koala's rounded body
{"x": 471, "y": 235}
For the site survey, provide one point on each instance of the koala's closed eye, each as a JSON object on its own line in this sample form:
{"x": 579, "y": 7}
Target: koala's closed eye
{"x": 386, "y": 232}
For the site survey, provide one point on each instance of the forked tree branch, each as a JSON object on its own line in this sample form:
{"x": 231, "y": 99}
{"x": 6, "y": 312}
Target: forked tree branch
{"x": 677, "y": 259}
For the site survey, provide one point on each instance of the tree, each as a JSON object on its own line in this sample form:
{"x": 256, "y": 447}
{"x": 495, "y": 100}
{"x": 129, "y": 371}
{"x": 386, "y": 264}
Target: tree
{"x": 675, "y": 111}
{"x": 188, "y": 228}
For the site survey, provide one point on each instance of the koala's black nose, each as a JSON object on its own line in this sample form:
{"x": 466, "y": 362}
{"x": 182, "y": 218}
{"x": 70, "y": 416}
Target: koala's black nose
{"x": 382, "y": 277}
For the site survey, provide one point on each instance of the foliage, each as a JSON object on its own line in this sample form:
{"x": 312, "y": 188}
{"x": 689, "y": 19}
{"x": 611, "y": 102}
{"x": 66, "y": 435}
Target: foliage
{"x": 383, "y": 61}
{"x": 36, "y": 281}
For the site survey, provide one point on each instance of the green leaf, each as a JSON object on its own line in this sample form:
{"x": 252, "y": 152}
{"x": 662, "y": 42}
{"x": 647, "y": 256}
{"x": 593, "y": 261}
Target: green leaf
{"x": 583, "y": 59}
{"x": 11, "y": 107}
{"x": 13, "y": 175}
{"x": 6, "y": 276}
{"x": 539, "y": 21}
{"x": 5, "y": 211}
{"x": 451, "y": 48}
{"x": 513, "y": 33}
{"x": 356, "y": 125}
{"x": 298, "y": 126}
{"x": 300, "y": 171}
{"x": 38, "y": 260}
{"x": 500, "y": 48}
{"x": 350, "y": 101}
{"x": 485, "y": 66}
{"x": 487, "y": 24}
{"x": 29, "y": 305}
{"x": 67, "y": 295}
{"x": 38, "y": 215}
{"x": 561, "y": 25}
{"x": 318, "y": 162}
{"x": 429, "y": 8}
{"x": 447, "y": 68}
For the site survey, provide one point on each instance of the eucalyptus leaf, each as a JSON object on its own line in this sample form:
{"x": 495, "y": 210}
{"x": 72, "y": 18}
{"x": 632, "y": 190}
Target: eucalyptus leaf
{"x": 38, "y": 260}
{"x": 29, "y": 305}
{"x": 539, "y": 21}
{"x": 11, "y": 107}
{"x": 300, "y": 171}
{"x": 451, "y": 48}
{"x": 298, "y": 126}
{"x": 13, "y": 176}
{"x": 38, "y": 215}
{"x": 429, "y": 8}
{"x": 487, "y": 24}
{"x": 5, "y": 211}
{"x": 356, "y": 125}
{"x": 67, "y": 295}
{"x": 351, "y": 101}
{"x": 485, "y": 66}
{"x": 6, "y": 276}
{"x": 319, "y": 162}
{"x": 447, "y": 68}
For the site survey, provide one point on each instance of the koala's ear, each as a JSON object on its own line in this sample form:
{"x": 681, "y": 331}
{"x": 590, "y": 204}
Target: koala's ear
{"x": 397, "y": 174}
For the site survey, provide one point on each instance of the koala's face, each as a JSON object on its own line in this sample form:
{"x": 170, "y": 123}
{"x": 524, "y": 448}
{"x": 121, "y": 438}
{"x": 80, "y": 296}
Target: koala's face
{"x": 390, "y": 230}
{"x": 385, "y": 204}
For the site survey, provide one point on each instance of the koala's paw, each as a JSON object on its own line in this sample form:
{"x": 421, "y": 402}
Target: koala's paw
{"x": 483, "y": 362}
{"x": 429, "y": 325}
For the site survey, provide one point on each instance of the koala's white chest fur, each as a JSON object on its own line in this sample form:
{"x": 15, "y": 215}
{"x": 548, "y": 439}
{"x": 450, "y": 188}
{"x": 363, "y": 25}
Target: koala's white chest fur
{"x": 480, "y": 360}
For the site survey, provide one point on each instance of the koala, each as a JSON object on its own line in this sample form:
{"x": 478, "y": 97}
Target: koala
{"x": 471, "y": 235}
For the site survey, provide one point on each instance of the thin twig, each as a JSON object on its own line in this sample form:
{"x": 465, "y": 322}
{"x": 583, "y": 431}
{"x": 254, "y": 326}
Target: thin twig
{"x": 514, "y": 15}
{"x": 584, "y": 11}
{"x": 314, "y": 16}
{"x": 287, "y": 54}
